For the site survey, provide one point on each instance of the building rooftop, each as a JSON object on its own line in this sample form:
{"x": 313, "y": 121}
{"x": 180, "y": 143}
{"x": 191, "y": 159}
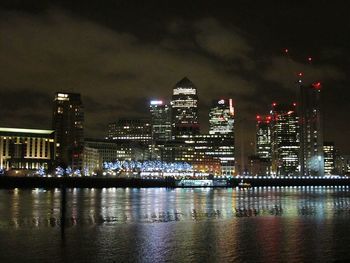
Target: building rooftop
{"x": 185, "y": 83}
{"x": 21, "y": 130}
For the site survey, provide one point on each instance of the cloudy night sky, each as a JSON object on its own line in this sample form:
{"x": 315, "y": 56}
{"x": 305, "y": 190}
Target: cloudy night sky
{"x": 121, "y": 54}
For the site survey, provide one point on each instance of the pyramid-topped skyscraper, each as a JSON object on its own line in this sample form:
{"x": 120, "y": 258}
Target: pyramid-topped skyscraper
{"x": 184, "y": 108}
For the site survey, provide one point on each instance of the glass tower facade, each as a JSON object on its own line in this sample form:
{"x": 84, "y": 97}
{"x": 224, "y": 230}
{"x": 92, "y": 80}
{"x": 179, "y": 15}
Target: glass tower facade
{"x": 221, "y": 117}
{"x": 263, "y": 137}
{"x": 329, "y": 158}
{"x": 221, "y": 134}
{"x": 311, "y": 131}
{"x": 184, "y": 109}
{"x": 160, "y": 120}
{"x": 285, "y": 140}
{"x": 68, "y": 123}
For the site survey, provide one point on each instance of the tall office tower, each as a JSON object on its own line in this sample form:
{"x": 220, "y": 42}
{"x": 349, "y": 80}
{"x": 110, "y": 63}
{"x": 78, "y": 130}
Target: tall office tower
{"x": 68, "y": 122}
{"x": 184, "y": 109}
{"x": 221, "y": 134}
{"x": 133, "y": 130}
{"x": 160, "y": 121}
{"x": 284, "y": 139}
{"x": 221, "y": 117}
{"x": 263, "y": 137}
{"x": 311, "y": 131}
{"x": 329, "y": 157}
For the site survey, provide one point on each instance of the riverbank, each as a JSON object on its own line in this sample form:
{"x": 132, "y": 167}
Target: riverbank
{"x": 106, "y": 182}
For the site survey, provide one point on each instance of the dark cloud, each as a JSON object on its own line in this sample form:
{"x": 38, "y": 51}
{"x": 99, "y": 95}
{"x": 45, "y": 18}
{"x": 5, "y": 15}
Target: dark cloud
{"x": 25, "y": 108}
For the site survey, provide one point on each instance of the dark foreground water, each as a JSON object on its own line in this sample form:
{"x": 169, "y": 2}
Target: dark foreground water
{"x": 293, "y": 224}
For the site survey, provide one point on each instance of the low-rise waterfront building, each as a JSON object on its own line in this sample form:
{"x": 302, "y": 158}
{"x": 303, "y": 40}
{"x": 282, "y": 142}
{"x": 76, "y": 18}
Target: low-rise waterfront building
{"x": 25, "y": 150}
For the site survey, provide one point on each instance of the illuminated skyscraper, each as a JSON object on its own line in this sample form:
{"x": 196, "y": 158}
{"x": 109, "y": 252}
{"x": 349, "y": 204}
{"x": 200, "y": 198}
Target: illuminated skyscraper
{"x": 260, "y": 163}
{"x": 311, "y": 131}
{"x": 329, "y": 158}
{"x": 160, "y": 121}
{"x": 221, "y": 117}
{"x": 284, "y": 140}
{"x": 221, "y": 134}
{"x": 68, "y": 123}
{"x": 184, "y": 108}
{"x": 263, "y": 137}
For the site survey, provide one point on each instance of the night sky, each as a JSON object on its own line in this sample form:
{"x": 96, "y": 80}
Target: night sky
{"x": 120, "y": 54}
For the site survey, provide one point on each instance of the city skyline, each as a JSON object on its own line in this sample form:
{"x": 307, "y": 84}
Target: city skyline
{"x": 174, "y": 131}
{"x": 110, "y": 61}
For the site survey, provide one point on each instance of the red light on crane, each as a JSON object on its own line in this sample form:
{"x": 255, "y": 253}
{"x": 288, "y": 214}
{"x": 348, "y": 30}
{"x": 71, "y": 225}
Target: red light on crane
{"x": 300, "y": 74}
{"x": 317, "y": 85}
{"x": 274, "y": 104}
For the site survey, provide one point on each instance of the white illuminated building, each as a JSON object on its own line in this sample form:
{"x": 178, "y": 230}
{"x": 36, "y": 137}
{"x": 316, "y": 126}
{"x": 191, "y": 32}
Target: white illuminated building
{"x": 26, "y": 149}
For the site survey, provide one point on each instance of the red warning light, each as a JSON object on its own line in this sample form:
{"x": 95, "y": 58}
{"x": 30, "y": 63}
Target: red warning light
{"x": 309, "y": 59}
{"x": 294, "y": 104}
{"x": 316, "y": 85}
{"x": 274, "y": 104}
{"x": 300, "y": 74}
{"x": 258, "y": 117}
{"x": 286, "y": 50}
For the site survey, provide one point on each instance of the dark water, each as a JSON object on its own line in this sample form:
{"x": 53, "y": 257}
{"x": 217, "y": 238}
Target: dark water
{"x": 304, "y": 224}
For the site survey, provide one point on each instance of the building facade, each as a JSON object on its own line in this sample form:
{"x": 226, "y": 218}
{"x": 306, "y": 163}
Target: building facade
{"x": 284, "y": 140}
{"x": 222, "y": 132}
{"x": 26, "y": 149}
{"x": 184, "y": 109}
{"x": 311, "y": 131}
{"x": 263, "y": 137}
{"x": 112, "y": 150}
{"x": 92, "y": 161}
{"x": 136, "y": 130}
{"x": 260, "y": 163}
{"x": 329, "y": 158}
{"x": 68, "y": 123}
{"x": 160, "y": 121}
{"x": 222, "y": 117}
{"x": 208, "y": 153}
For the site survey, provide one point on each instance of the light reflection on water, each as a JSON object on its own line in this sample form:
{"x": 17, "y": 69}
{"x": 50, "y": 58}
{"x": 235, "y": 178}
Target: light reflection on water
{"x": 41, "y": 207}
{"x": 266, "y": 224}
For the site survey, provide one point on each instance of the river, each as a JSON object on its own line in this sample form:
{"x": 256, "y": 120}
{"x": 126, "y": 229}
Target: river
{"x": 266, "y": 224}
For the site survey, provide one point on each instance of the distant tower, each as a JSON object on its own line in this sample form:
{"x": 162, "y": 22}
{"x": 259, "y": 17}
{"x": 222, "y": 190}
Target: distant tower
{"x": 221, "y": 117}
{"x": 284, "y": 139}
{"x": 160, "y": 120}
{"x": 68, "y": 122}
{"x": 222, "y": 134}
{"x": 329, "y": 158}
{"x": 311, "y": 131}
{"x": 263, "y": 137}
{"x": 184, "y": 108}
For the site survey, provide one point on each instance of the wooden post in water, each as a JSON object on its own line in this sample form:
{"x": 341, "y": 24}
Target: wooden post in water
{"x": 63, "y": 209}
